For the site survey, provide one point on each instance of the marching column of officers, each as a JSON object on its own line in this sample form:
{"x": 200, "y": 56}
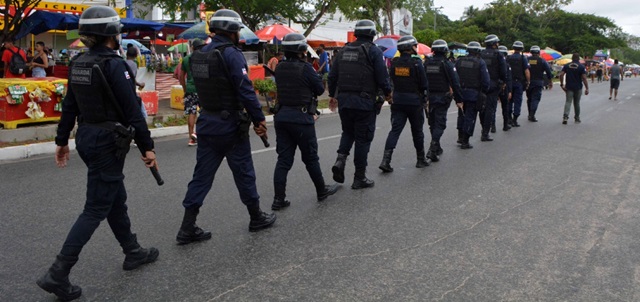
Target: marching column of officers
{"x": 359, "y": 83}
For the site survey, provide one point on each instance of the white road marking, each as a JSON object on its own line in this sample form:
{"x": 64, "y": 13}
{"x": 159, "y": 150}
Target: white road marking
{"x": 609, "y": 109}
{"x": 273, "y": 148}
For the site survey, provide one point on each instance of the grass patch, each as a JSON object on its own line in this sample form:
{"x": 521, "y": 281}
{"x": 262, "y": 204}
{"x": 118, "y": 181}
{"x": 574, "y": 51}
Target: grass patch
{"x": 175, "y": 121}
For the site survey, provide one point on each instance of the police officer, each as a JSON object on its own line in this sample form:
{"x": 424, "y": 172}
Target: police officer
{"x": 358, "y": 73}
{"x": 103, "y": 99}
{"x": 538, "y": 67}
{"x": 444, "y": 85}
{"x": 219, "y": 72}
{"x": 298, "y": 88}
{"x": 497, "y": 67}
{"x": 410, "y": 88}
{"x": 520, "y": 80}
{"x": 475, "y": 83}
{"x": 505, "y": 95}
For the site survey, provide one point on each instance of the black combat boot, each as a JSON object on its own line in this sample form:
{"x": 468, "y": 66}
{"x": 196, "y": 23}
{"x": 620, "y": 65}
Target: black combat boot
{"x": 485, "y": 136}
{"x": 465, "y": 142}
{"x": 422, "y": 161}
{"x": 136, "y": 255}
{"x": 432, "y": 154}
{"x": 360, "y": 180}
{"x": 56, "y": 280}
{"x": 385, "y": 166}
{"x": 493, "y": 127}
{"x": 460, "y": 136}
{"x": 514, "y": 122}
{"x": 338, "y": 168}
{"x": 189, "y": 231}
{"x": 326, "y": 191}
{"x": 259, "y": 220}
{"x": 532, "y": 118}
{"x": 279, "y": 204}
{"x": 507, "y": 124}
{"x": 439, "y": 150}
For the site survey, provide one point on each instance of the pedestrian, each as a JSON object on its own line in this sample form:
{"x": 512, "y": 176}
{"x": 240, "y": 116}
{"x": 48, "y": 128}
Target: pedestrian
{"x": 576, "y": 76}
{"x": 191, "y": 100}
{"x": 505, "y": 95}
{"x": 539, "y": 68}
{"x": 615, "y": 73}
{"x": 273, "y": 62}
{"x": 131, "y": 54}
{"x": 39, "y": 62}
{"x": 298, "y": 88}
{"x": 324, "y": 64}
{"x": 592, "y": 72}
{"x": 358, "y": 73}
{"x": 225, "y": 92}
{"x": 497, "y": 68}
{"x": 409, "y": 100}
{"x": 444, "y": 86}
{"x": 521, "y": 78}
{"x": 102, "y": 141}
{"x": 14, "y": 67}
{"x": 599, "y": 74}
{"x": 475, "y": 82}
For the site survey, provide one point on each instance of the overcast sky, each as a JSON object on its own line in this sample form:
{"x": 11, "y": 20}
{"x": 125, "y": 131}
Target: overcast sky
{"x": 624, "y": 13}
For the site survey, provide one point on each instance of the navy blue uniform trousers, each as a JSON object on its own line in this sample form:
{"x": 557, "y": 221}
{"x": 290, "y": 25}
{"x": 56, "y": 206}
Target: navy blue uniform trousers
{"x": 290, "y": 136}
{"x": 438, "y": 106}
{"x": 212, "y": 149}
{"x": 534, "y": 94}
{"x": 358, "y": 126}
{"x": 106, "y": 194}
{"x": 399, "y": 116}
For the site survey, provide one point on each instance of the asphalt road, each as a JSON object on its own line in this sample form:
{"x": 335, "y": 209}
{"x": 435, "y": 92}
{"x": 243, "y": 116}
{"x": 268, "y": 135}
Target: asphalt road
{"x": 546, "y": 212}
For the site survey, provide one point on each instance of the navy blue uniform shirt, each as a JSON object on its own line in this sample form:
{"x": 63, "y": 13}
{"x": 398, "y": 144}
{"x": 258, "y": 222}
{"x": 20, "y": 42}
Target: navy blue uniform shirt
{"x": 406, "y": 98}
{"x": 471, "y": 95}
{"x": 353, "y": 100}
{"x": 525, "y": 65}
{"x": 547, "y": 71}
{"x": 239, "y": 77}
{"x": 123, "y": 87}
{"x": 454, "y": 80}
{"x": 311, "y": 81}
{"x": 502, "y": 69}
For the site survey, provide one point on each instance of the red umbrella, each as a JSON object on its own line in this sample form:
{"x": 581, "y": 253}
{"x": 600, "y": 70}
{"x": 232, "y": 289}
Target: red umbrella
{"x": 423, "y": 49}
{"x": 275, "y": 31}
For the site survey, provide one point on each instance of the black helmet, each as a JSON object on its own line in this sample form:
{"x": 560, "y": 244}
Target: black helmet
{"x": 491, "y": 40}
{"x": 99, "y": 21}
{"x": 474, "y": 47}
{"x": 197, "y": 43}
{"x": 407, "y": 43}
{"x": 365, "y": 28}
{"x": 503, "y": 50}
{"x": 518, "y": 45}
{"x": 535, "y": 49}
{"x": 225, "y": 20}
{"x": 440, "y": 46}
{"x": 294, "y": 42}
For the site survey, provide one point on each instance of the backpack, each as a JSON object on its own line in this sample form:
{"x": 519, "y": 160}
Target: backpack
{"x": 17, "y": 65}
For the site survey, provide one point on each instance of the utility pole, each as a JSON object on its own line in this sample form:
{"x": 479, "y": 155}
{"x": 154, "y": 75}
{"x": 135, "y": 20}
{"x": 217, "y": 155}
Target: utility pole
{"x": 435, "y": 15}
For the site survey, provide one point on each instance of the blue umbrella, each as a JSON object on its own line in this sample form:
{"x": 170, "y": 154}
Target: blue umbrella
{"x": 199, "y": 31}
{"x": 43, "y": 21}
{"x": 143, "y": 49}
{"x": 389, "y": 46}
{"x": 139, "y": 24}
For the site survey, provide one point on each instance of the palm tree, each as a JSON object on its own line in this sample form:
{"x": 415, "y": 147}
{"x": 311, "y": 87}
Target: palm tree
{"x": 470, "y": 12}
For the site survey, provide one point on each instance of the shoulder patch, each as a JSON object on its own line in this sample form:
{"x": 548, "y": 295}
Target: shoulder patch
{"x": 126, "y": 75}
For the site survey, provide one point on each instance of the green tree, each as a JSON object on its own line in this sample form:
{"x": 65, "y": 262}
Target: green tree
{"x": 13, "y": 18}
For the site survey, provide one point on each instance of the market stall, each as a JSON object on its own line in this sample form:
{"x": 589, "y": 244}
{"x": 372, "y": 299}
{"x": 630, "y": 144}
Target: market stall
{"x": 25, "y": 101}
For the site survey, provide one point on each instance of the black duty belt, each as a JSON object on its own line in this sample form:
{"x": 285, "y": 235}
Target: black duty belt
{"x": 302, "y": 108}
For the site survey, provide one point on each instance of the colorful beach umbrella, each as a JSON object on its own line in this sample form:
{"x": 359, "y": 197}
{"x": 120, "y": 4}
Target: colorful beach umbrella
{"x": 424, "y": 49}
{"x": 199, "y": 30}
{"x": 554, "y": 53}
{"x": 274, "y": 31}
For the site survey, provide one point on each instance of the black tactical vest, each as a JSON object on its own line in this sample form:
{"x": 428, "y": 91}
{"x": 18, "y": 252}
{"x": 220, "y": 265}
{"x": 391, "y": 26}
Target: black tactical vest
{"x": 292, "y": 89}
{"x": 212, "y": 81}
{"x": 89, "y": 91}
{"x": 517, "y": 71}
{"x": 537, "y": 68}
{"x": 436, "y": 75}
{"x": 490, "y": 57}
{"x": 469, "y": 72}
{"x": 356, "y": 70}
{"x": 404, "y": 75}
